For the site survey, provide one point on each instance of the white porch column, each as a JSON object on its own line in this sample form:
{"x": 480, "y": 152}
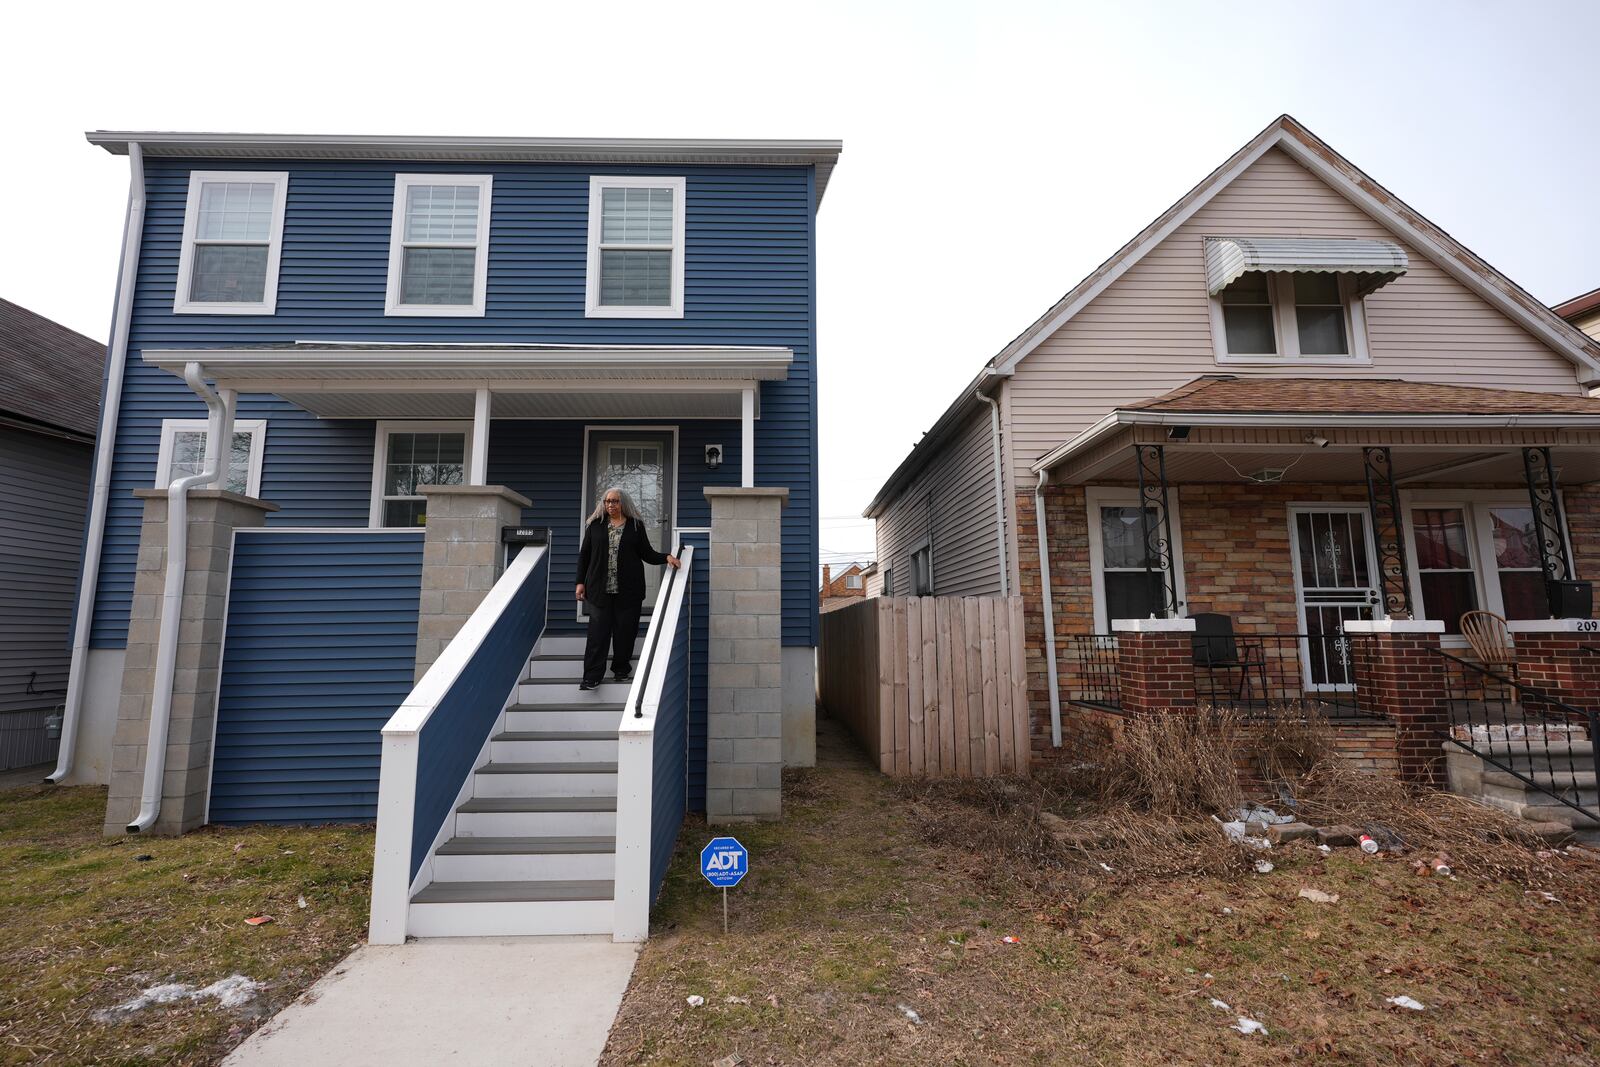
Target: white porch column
{"x": 478, "y": 470}
{"x": 747, "y": 449}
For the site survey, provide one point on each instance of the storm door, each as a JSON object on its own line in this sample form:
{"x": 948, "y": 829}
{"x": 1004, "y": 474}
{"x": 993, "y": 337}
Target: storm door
{"x": 641, "y": 465}
{"x": 1335, "y": 582}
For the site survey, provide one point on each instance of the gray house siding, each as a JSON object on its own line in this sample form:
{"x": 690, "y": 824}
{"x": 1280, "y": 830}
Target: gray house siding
{"x": 950, "y": 503}
{"x": 44, "y": 490}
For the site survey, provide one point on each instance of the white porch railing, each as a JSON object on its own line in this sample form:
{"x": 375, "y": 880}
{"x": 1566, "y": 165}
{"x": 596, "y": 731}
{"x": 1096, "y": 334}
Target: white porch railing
{"x": 652, "y": 757}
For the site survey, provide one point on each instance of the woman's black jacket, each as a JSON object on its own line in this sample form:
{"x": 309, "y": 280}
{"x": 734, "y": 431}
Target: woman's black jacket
{"x": 633, "y": 552}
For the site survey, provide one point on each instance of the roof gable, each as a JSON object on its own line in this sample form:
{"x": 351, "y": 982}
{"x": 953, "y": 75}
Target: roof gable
{"x": 1345, "y": 179}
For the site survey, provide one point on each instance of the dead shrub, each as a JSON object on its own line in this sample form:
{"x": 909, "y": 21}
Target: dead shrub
{"x": 1177, "y": 764}
{"x": 1289, "y": 744}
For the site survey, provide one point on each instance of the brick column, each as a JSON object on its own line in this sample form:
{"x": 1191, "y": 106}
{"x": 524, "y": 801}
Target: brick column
{"x": 1552, "y": 654}
{"x": 462, "y": 558}
{"x": 213, "y": 516}
{"x": 1398, "y": 674}
{"x": 744, "y": 729}
{"x": 1155, "y": 664}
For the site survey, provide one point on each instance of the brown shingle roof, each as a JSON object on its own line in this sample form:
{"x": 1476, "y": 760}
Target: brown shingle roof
{"x": 48, "y": 373}
{"x": 1358, "y": 396}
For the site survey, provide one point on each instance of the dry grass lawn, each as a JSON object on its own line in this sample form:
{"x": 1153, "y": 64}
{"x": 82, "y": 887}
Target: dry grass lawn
{"x": 870, "y": 902}
{"x": 85, "y": 924}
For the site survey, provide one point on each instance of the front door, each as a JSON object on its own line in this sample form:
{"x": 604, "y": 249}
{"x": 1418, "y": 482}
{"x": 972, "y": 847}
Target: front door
{"x": 640, "y": 463}
{"x": 1335, "y": 578}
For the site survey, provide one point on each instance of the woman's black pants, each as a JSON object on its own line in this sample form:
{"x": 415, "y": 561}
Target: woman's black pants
{"x": 614, "y": 624}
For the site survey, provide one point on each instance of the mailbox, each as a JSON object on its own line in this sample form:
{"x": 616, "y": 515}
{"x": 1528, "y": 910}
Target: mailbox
{"x": 525, "y": 535}
{"x": 1570, "y": 600}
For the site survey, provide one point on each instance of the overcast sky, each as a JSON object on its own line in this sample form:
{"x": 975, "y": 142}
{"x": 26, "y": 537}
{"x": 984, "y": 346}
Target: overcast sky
{"x": 994, "y": 152}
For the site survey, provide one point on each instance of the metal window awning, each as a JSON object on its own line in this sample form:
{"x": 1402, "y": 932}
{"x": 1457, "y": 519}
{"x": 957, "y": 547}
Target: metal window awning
{"x": 1374, "y": 262}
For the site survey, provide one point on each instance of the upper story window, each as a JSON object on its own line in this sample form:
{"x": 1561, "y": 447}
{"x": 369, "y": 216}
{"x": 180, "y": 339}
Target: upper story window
{"x": 1283, "y": 315}
{"x": 1278, "y": 299}
{"x": 635, "y": 267}
{"x": 232, "y": 241}
{"x": 439, "y": 244}
{"x": 852, "y": 581}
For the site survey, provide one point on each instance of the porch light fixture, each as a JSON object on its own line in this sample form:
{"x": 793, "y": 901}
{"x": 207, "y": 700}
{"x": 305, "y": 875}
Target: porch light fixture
{"x": 1316, "y": 440}
{"x": 713, "y": 457}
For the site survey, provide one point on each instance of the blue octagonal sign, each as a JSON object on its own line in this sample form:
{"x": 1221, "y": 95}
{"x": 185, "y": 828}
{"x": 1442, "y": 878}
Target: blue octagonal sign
{"x": 724, "y": 862}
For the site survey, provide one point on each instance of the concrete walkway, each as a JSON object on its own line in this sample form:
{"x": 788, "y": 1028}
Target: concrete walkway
{"x": 524, "y": 1001}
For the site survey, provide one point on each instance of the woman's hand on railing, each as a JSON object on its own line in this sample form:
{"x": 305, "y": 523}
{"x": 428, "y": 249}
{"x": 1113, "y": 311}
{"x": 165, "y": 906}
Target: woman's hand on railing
{"x": 580, "y": 591}
{"x": 672, "y": 561}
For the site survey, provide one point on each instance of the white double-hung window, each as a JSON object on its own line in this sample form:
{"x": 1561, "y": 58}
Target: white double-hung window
{"x": 635, "y": 267}
{"x": 232, "y": 242}
{"x": 439, "y": 244}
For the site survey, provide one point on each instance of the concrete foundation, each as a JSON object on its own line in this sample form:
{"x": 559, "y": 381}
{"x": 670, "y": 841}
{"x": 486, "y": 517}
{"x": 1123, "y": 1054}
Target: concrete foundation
{"x": 799, "y": 707}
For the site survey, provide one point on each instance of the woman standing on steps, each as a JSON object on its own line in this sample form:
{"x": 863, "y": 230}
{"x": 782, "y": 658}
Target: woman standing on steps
{"x": 611, "y": 562}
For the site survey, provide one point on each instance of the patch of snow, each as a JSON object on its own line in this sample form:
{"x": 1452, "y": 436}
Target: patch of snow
{"x": 910, "y": 1013}
{"x": 1405, "y": 1002}
{"x": 1249, "y": 1026}
{"x": 234, "y": 991}
{"x": 1220, "y": 1005}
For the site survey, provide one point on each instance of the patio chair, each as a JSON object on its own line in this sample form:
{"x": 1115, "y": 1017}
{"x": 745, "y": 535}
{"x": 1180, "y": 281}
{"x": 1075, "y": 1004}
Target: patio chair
{"x": 1216, "y": 648}
{"x": 1490, "y": 639}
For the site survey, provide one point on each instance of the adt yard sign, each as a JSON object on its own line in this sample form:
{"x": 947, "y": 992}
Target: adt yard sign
{"x": 724, "y": 862}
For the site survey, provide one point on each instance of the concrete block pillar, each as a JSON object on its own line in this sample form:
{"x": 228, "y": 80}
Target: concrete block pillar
{"x": 1561, "y": 657}
{"x": 213, "y": 516}
{"x": 1398, "y": 674}
{"x": 462, "y": 558}
{"x": 744, "y": 759}
{"x": 1155, "y": 664}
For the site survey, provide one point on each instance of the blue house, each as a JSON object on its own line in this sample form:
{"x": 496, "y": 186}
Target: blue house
{"x": 427, "y": 358}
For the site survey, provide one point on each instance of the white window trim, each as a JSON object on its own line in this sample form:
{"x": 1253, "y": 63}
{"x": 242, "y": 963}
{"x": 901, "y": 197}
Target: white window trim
{"x": 380, "y": 456}
{"x": 1097, "y": 497}
{"x": 256, "y": 428}
{"x": 856, "y": 578}
{"x": 181, "y": 304}
{"x": 1475, "y": 504}
{"x": 397, "y": 225}
{"x": 591, "y": 288}
{"x": 1281, "y": 287}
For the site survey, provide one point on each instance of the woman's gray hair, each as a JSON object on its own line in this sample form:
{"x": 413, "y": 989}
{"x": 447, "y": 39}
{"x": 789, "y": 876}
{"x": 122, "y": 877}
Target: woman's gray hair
{"x": 628, "y": 508}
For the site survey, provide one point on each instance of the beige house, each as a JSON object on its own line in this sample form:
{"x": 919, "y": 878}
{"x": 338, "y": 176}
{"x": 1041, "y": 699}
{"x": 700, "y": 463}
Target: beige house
{"x": 1583, "y": 312}
{"x": 1289, "y": 408}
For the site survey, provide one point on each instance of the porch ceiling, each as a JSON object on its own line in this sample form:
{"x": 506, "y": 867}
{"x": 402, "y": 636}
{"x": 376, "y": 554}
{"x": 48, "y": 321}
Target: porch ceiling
{"x": 527, "y": 381}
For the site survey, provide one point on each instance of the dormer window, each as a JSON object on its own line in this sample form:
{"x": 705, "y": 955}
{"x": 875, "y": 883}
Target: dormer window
{"x": 1295, "y": 299}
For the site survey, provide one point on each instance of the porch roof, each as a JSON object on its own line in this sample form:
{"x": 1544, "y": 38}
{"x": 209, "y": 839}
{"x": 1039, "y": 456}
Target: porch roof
{"x": 1217, "y": 426}
{"x": 388, "y": 380}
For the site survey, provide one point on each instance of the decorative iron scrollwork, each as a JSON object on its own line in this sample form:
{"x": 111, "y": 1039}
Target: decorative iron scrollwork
{"x": 1383, "y": 500}
{"x": 1156, "y": 524}
{"x": 1547, "y": 524}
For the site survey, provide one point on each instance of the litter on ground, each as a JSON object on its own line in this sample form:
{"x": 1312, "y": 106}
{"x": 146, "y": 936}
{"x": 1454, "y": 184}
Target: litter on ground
{"x": 1221, "y": 1005}
{"x": 694, "y": 1000}
{"x": 1405, "y": 1002}
{"x": 1008, "y": 939}
{"x": 231, "y": 992}
{"x": 1249, "y": 1026}
{"x": 259, "y": 920}
{"x": 1263, "y": 867}
{"x": 910, "y": 1013}
{"x": 1317, "y": 896}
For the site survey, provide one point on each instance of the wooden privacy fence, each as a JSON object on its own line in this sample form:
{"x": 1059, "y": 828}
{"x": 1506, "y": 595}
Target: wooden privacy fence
{"x": 929, "y": 685}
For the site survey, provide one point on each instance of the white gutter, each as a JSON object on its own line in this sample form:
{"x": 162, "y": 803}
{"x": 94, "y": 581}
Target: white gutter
{"x": 219, "y": 425}
{"x": 1296, "y": 420}
{"x": 1049, "y": 608}
{"x": 105, "y": 450}
{"x": 999, "y": 487}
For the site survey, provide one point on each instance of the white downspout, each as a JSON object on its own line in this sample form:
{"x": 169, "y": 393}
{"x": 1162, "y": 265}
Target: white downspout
{"x": 105, "y": 450}
{"x": 219, "y": 427}
{"x": 999, "y": 488}
{"x": 1049, "y": 609}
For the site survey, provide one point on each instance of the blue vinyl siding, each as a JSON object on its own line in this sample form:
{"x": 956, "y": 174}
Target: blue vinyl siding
{"x": 699, "y": 636}
{"x": 319, "y": 651}
{"x": 749, "y": 280}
